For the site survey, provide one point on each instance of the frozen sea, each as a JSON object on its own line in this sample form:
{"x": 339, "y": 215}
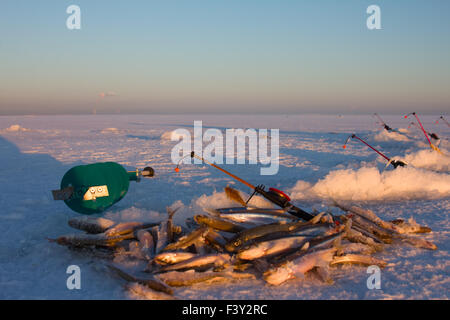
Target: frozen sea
{"x": 36, "y": 151}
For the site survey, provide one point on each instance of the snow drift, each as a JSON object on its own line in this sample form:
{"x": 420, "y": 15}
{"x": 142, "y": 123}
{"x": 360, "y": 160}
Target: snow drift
{"x": 429, "y": 159}
{"x": 371, "y": 184}
{"x": 16, "y": 128}
{"x": 220, "y": 200}
{"x": 390, "y": 136}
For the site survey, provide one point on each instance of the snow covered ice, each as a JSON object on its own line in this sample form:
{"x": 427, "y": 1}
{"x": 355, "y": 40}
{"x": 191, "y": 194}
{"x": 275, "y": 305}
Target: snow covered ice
{"x": 36, "y": 151}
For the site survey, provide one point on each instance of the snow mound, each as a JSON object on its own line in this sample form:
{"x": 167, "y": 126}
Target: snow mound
{"x": 369, "y": 184}
{"x": 16, "y": 128}
{"x": 390, "y": 136}
{"x": 110, "y": 130}
{"x": 220, "y": 200}
{"x": 429, "y": 159}
{"x": 172, "y": 136}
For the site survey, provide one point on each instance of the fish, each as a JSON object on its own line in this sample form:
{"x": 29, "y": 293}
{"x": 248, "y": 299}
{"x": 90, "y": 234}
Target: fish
{"x": 365, "y": 260}
{"x": 190, "y": 277}
{"x": 355, "y": 248}
{"x": 367, "y": 214}
{"x": 317, "y": 230}
{"x": 146, "y": 244}
{"x": 200, "y": 261}
{"x": 272, "y": 247}
{"x": 215, "y": 240}
{"x": 100, "y": 239}
{"x": 255, "y": 215}
{"x": 247, "y": 210}
{"x": 170, "y": 226}
{"x": 281, "y": 247}
{"x": 298, "y": 267}
{"x": 218, "y": 224}
{"x": 419, "y": 243}
{"x": 151, "y": 282}
{"x": 410, "y": 226}
{"x": 314, "y": 244}
{"x": 241, "y": 238}
{"x": 128, "y": 227}
{"x": 165, "y": 231}
{"x": 173, "y": 257}
{"x": 139, "y": 291}
{"x": 367, "y": 234}
{"x": 91, "y": 224}
{"x": 355, "y": 236}
{"x": 398, "y": 225}
{"x": 188, "y": 239}
{"x": 383, "y": 234}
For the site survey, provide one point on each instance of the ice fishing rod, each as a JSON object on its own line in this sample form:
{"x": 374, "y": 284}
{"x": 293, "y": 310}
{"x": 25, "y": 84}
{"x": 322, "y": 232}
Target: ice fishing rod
{"x": 442, "y": 117}
{"x": 424, "y": 132}
{"x": 273, "y": 195}
{"x": 430, "y": 134}
{"x": 385, "y": 126}
{"x": 394, "y": 163}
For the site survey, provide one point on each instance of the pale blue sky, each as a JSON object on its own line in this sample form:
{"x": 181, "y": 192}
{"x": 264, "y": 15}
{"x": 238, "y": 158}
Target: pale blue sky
{"x": 224, "y": 56}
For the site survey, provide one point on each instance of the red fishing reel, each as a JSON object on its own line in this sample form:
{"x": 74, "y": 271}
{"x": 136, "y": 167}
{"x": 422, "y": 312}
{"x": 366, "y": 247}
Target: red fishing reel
{"x": 275, "y": 196}
{"x": 279, "y": 193}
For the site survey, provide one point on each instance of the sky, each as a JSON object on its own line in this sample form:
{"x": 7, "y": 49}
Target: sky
{"x": 206, "y": 56}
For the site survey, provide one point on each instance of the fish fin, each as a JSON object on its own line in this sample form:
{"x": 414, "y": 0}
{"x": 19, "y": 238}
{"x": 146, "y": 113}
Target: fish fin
{"x": 234, "y": 195}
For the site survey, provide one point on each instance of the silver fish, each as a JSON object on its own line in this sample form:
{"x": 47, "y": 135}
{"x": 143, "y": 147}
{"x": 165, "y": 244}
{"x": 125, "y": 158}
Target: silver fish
{"x": 367, "y": 214}
{"x": 100, "y": 239}
{"x": 151, "y": 282}
{"x": 419, "y": 243}
{"x": 410, "y": 226}
{"x": 298, "y": 267}
{"x": 358, "y": 259}
{"x": 260, "y": 231}
{"x": 146, "y": 244}
{"x": 355, "y": 236}
{"x": 190, "y": 277}
{"x": 202, "y": 261}
{"x": 272, "y": 247}
{"x": 188, "y": 239}
{"x": 165, "y": 231}
{"x": 383, "y": 234}
{"x": 127, "y": 227}
{"x": 258, "y": 218}
{"x": 218, "y": 223}
{"x": 216, "y": 240}
{"x": 90, "y": 224}
{"x": 173, "y": 257}
{"x": 355, "y": 248}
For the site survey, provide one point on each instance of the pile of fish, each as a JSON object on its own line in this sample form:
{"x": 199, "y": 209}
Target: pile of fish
{"x": 238, "y": 243}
